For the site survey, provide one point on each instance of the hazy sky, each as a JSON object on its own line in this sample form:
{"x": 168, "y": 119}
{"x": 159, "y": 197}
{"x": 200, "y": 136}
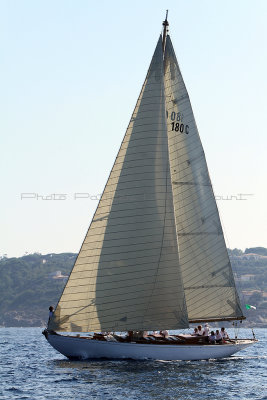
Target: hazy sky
{"x": 71, "y": 72}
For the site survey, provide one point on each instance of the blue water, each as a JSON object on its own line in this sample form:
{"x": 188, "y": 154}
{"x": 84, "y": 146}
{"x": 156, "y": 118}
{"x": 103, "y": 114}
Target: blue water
{"x": 31, "y": 369}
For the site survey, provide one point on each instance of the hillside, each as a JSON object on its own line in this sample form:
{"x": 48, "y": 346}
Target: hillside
{"x": 30, "y": 284}
{"x": 250, "y": 270}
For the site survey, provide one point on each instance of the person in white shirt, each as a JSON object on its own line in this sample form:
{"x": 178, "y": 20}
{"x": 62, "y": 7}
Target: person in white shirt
{"x": 206, "y": 332}
{"x": 200, "y": 330}
{"x": 224, "y": 334}
{"x": 164, "y": 333}
{"x": 218, "y": 336}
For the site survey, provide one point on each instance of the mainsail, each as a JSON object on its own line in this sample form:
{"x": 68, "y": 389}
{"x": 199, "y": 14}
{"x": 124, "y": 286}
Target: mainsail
{"x": 127, "y": 274}
{"x": 154, "y": 255}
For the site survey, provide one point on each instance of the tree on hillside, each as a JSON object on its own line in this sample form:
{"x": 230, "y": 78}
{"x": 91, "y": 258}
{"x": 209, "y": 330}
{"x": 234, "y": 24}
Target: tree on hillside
{"x": 262, "y": 251}
{"x": 235, "y": 252}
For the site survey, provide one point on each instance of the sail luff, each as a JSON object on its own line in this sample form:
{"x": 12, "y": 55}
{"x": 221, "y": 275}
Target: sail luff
{"x": 207, "y": 275}
{"x": 127, "y": 276}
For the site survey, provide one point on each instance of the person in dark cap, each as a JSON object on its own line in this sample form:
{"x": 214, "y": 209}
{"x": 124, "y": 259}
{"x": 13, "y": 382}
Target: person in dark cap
{"x": 51, "y": 312}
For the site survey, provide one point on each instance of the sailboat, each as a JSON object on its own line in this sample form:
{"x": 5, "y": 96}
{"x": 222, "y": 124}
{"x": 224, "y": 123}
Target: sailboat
{"x": 154, "y": 256}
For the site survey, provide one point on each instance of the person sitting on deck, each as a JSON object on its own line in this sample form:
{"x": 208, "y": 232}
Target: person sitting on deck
{"x": 164, "y": 333}
{"x": 224, "y": 334}
{"x": 212, "y": 337}
{"x": 200, "y": 330}
{"x": 218, "y": 336}
{"x": 129, "y": 336}
{"x": 139, "y": 335}
{"x": 195, "y": 332}
{"x": 109, "y": 337}
{"x": 206, "y": 332}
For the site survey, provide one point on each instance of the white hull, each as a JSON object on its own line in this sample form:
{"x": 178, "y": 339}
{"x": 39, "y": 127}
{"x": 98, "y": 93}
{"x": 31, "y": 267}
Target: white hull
{"x": 82, "y": 348}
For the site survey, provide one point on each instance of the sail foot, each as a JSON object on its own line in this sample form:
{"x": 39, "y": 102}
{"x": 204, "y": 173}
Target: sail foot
{"x": 196, "y": 321}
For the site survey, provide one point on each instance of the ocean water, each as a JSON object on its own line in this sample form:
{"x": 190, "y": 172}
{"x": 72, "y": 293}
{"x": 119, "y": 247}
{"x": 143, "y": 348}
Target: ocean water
{"x": 31, "y": 369}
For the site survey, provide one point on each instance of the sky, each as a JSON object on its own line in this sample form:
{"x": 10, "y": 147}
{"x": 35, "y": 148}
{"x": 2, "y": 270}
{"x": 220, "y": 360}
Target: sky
{"x": 71, "y": 72}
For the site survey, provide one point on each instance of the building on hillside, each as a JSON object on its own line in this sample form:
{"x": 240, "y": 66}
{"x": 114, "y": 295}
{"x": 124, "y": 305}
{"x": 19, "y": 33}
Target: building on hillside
{"x": 58, "y": 275}
{"x": 250, "y": 256}
{"x": 247, "y": 278}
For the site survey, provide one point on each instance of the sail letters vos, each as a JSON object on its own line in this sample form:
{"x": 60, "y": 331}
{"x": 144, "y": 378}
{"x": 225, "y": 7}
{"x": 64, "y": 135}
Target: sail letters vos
{"x": 177, "y": 124}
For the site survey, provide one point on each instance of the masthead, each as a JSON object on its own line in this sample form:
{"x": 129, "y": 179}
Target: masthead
{"x": 165, "y": 30}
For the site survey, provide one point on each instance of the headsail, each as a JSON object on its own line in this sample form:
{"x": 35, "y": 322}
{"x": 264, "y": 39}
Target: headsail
{"x": 207, "y": 275}
{"x": 127, "y": 274}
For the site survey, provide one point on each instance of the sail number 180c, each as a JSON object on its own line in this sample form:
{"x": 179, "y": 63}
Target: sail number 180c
{"x": 177, "y": 124}
{"x": 177, "y": 127}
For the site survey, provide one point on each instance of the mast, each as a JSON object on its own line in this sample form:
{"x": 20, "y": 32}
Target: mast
{"x": 165, "y": 31}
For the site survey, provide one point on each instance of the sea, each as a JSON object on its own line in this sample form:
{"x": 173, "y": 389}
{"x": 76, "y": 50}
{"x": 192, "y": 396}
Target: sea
{"x": 31, "y": 369}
